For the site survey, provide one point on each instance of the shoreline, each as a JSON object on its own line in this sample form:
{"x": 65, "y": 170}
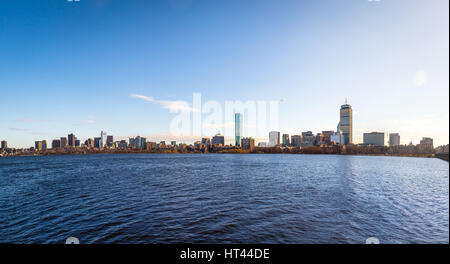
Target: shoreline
{"x": 442, "y": 157}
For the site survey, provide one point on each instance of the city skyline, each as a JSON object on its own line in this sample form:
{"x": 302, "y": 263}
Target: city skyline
{"x": 96, "y": 68}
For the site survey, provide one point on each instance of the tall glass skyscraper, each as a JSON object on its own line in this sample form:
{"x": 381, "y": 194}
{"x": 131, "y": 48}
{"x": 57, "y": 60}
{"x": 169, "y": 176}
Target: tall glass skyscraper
{"x": 346, "y": 123}
{"x": 238, "y": 128}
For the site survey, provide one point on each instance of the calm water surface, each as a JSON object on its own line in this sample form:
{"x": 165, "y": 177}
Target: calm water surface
{"x": 223, "y": 199}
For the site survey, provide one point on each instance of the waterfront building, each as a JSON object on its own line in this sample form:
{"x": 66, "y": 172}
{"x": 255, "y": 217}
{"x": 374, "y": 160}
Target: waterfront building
{"x": 319, "y": 139}
{"x": 97, "y": 142}
{"x": 274, "y": 138}
{"x": 109, "y": 141}
{"x": 286, "y": 140}
{"x": 394, "y": 139}
{"x": 337, "y": 138}
{"x": 248, "y": 143}
{"x": 89, "y": 143}
{"x": 38, "y": 145}
{"x": 346, "y": 123}
{"x": 123, "y": 144}
{"x": 296, "y": 140}
{"x": 173, "y": 143}
{"x": 56, "y": 143}
{"x": 102, "y": 139}
{"x": 373, "y": 138}
{"x": 138, "y": 142}
{"x": 44, "y": 144}
{"x": 77, "y": 142}
{"x": 326, "y": 136}
{"x": 237, "y": 128}
{"x": 218, "y": 140}
{"x": 4, "y": 144}
{"x": 206, "y": 141}
{"x": 308, "y": 138}
{"x": 150, "y": 145}
{"x": 262, "y": 144}
{"x": 63, "y": 142}
{"x": 426, "y": 145}
{"x": 71, "y": 139}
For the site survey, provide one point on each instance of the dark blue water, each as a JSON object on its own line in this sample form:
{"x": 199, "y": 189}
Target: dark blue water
{"x": 223, "y": 199}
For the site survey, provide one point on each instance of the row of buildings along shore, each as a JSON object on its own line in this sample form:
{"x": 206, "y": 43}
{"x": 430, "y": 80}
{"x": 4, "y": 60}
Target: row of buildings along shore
{"x": 340, "y": 141}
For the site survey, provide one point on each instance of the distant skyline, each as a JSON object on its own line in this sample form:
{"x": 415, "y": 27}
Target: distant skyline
{"x": 124, "y": 66}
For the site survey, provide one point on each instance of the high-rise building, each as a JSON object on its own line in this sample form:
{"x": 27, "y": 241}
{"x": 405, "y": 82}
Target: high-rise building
{"x": 44, "y": 144}
{"x": 274, "y": 138}
{"x": 56, "y": 143}
{"x": 102, "y": 139}
{"x": 308, "y": 138}
{"x": 4, "y": 144}
{"x": 109, "y": 141}
{"x": 346, "y": 123}
{"x": 71, "y": 138}
{"x": 77, "y": 142}
{"x": 373, "y": 138}
{"x": 296, "y": 140}
{"x": 90, "y": 143}
{"x": 248, "y": 143}
{"x": 218, "y": 140}
{"x": 97, "y": 142}
{"x": 63, "y": 142}
{"x": 38, "y": 145}
{"x": 286, "y": 140}
{"x": 394, "y": 139}
{"x": 237, "y": 128}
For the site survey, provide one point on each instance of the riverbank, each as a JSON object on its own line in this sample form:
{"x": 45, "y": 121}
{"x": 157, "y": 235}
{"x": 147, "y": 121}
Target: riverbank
{"x": 232, "y": 151}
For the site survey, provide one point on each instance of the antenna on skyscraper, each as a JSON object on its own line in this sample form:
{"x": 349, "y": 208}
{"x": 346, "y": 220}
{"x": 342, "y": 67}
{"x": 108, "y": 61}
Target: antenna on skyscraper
{"x": 346, "y": 100}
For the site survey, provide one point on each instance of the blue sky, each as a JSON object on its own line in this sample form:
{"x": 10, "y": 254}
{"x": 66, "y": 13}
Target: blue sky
{"x": 71, "y": 66}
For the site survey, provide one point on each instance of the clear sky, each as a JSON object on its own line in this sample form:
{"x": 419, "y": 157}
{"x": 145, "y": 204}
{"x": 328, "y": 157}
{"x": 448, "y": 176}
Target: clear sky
{"x": 73, "y": 66}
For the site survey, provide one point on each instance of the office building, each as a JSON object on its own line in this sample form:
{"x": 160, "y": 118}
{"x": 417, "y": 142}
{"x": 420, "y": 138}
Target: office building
{"x": 308, "y": 138}
{"x": 296, "y": 140}
{"x": 326, "y": 136}
{"x": 238, "y": 128}
{"x": 206, "y": 141}
{"x": 286, "y": 140}
{"x": 97, "y": 142}
{"x": 274, "y": 138}
{"x": 337, "y": 138}
{"x": 38, "y": 145}
{"x": 44, "y": 144}
{"x": 248, "y": 143}
{"x": 109, "y": 141}
{"x": 394, "y": 139}
{"x": 346, "y": 123}
{"x": 262, "y": 144}
{"x": 218, "y": 140}
{"x": 102, "y": 139}
{"x": 71, "y": 139}
{"x": 373, "y": 138}
{"x": 4, "y": 144}
{"x": 56, "y": 143}
{"x": 63, "y": 142}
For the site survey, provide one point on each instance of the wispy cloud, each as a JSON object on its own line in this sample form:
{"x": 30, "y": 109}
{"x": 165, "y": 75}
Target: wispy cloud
{"x": 29, "y": 120}
{"x": 173, "y": 106}
{"x": 18, "y": 129}
{"x": 143, "y": 97}
{"x": 88, "y": 121}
